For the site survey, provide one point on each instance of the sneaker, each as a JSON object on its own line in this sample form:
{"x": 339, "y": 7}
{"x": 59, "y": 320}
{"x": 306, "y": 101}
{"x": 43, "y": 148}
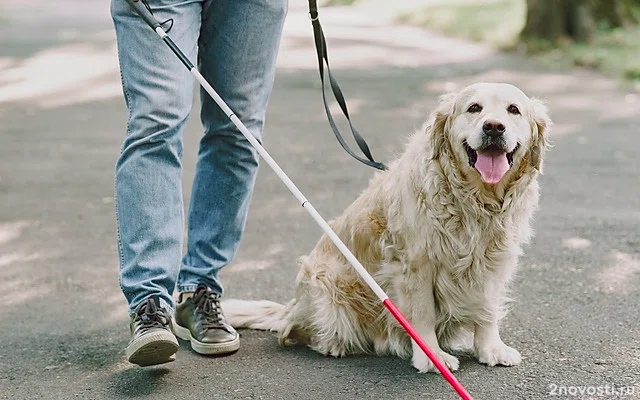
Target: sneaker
{"x": 199, "y": 320}
{"x": 152, "y": 341}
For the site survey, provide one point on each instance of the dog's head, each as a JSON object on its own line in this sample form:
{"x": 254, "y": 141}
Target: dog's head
{"x": 490, "y": 130}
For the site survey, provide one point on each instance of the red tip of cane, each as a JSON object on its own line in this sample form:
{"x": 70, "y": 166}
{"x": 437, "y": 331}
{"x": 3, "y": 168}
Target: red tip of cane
{"x": 434, "y": 359}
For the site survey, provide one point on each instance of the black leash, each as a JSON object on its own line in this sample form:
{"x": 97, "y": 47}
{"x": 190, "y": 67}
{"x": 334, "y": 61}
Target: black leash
{"x": 321, "y": 48}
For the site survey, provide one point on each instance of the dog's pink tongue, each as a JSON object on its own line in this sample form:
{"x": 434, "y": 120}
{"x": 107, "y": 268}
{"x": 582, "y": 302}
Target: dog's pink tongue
{"x": 492, "y": 166}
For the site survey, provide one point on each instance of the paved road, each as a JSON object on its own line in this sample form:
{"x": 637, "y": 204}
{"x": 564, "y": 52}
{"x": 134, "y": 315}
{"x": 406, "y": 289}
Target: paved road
{"x": 64, "y": 325}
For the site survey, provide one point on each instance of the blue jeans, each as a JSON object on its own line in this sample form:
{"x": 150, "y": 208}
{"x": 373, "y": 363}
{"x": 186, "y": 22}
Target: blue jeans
{"x": 236, "y": 44}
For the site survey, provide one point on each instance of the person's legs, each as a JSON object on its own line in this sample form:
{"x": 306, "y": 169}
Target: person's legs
{"x": 149, "y": 208}
{"x": 239, "y": 44}
{"x": 148, "y": 191}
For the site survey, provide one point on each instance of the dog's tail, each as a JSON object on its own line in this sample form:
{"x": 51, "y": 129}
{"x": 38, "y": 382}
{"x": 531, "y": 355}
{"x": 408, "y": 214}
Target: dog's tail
{"x": 261, "y": 314}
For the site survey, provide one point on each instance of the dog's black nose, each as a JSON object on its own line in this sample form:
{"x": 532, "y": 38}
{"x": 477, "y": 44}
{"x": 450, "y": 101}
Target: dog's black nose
{"x": 493, "y": 128}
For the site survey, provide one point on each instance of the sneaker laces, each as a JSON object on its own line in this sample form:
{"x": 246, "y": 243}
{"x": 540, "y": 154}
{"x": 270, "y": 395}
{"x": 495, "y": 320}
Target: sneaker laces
{"x": 151, "y": 316}
{"x": 208, "y": 302}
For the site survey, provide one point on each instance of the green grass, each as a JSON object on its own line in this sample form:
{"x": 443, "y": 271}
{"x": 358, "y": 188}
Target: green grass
{"x": 615, "y": 52}
{"x": 499, "y": 22}
{"x": 494, "y": 21}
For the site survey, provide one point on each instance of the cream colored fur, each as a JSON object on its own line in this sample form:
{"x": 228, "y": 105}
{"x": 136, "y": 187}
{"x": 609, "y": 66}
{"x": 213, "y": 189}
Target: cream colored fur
{"x": 442, "y": 244}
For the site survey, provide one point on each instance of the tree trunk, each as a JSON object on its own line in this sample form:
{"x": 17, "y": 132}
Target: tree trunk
{"x": 616, "y": 13}
{"x": 554, "y": 20}
{"x": 576, "y": 19}
{"x": 543, "y": 20}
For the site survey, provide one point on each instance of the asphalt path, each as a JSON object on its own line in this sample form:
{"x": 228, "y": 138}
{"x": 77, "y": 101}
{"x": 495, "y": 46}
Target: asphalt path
{"x": 63, "y": 318}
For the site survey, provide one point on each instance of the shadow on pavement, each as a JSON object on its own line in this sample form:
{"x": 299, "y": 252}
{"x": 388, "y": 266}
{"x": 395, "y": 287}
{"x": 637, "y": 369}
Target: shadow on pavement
{"x": 139, "y": 382}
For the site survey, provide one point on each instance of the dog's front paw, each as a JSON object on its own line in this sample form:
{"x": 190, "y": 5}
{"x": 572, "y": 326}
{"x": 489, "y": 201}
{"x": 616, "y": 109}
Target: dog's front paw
{"x": 422, "y": 363}
{"x": 499, "y": 354}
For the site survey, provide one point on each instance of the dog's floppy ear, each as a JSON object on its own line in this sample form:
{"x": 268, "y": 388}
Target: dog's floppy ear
{"x": 541, "y": 126}
{"x": 437, "y": 124}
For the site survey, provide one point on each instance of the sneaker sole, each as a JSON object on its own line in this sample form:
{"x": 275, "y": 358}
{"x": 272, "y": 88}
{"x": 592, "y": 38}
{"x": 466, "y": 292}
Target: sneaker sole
{"x": 153, "y": 349}
{"x": 207, "y": 348}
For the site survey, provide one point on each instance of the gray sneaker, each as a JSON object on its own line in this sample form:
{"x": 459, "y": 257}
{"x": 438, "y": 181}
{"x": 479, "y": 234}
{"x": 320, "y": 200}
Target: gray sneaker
{"x": 200, "y": 321}
{"x": 152, "y": 340}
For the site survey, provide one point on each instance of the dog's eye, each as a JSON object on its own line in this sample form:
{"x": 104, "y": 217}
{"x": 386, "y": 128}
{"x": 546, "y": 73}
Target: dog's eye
{"x": 513, "y": 109}
{"x": 474, "y": 108}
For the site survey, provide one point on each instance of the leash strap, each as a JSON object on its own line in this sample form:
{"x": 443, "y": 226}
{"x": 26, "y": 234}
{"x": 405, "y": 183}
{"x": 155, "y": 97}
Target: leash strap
{"x": 321, "y": 49}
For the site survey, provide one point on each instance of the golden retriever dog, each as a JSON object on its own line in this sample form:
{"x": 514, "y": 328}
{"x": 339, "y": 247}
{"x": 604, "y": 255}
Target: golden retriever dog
{"x": 441, "y": 231}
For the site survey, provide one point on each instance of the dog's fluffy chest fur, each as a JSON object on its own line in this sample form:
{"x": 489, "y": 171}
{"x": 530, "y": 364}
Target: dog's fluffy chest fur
{"x": 466, "y": 264}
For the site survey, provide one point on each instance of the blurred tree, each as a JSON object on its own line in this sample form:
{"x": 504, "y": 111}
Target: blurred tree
{"x": 576, "y": 19}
